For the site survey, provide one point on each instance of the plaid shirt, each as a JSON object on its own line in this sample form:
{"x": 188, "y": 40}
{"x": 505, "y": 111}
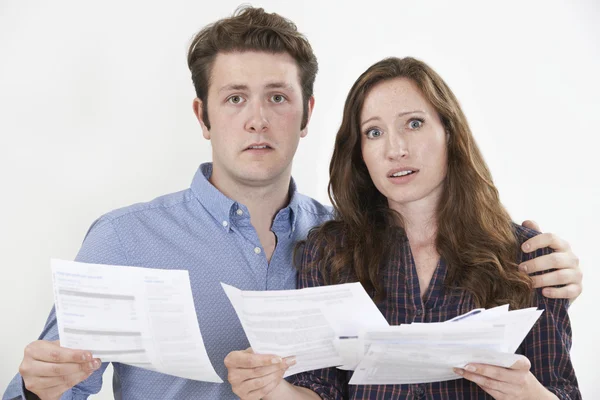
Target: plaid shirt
{"x": 547, "y": 345}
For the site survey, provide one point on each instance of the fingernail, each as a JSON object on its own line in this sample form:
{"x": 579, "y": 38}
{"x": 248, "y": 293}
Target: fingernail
{"x": 290, "y": 361}
{"x": 523, "y": 267}
{"x": 470, "y": 368}
{"x": 84, "y": 357}
{"x": 276, "y": 360}
{"x": 526, "y": 246}
{"x": 458, "y": 371}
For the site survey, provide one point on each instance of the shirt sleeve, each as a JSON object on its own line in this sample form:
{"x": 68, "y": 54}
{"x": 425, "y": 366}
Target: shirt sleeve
{"x": 548, "y": 344}
{"x": 329, "y": 383}
{"x": 100, "y": 246}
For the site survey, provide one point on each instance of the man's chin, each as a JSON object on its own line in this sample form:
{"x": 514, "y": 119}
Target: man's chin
{"x": 257, "y": 177}
{"x": 260, "y": 175}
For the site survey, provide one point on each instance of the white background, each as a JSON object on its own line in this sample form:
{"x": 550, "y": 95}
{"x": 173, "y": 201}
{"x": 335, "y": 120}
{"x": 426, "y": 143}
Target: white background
{"x": 96, "y": 113}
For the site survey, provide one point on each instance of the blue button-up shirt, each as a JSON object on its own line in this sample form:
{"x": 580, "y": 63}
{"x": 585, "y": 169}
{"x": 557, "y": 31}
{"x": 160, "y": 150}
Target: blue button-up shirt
{"x": 210, "y": 235}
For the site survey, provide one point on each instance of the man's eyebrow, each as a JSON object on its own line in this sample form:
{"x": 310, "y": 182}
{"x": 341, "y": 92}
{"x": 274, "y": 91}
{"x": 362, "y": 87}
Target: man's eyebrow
{"x": 280, "y": 85}
{"x": 243, "y": 87}
{"x": 233, "y": 86}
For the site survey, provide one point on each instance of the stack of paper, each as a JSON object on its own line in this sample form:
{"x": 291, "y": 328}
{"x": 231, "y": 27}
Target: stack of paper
{"x": 339, "y": 325}
{"x": 427, "y": 352}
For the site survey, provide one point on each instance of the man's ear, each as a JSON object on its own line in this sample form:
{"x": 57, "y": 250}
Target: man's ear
{"x": 197, "y": 106}
{"x": 311, "y": 105}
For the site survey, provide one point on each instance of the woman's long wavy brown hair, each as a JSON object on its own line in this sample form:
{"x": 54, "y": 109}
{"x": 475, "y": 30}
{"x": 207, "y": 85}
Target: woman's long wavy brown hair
{"x": 475, "y": 234}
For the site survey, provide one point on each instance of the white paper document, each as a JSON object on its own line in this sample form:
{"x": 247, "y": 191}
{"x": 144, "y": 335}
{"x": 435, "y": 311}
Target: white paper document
{"x": 427, "y": 352}
{"x": 305, "y": 323}
{"x": 138, "y": 316}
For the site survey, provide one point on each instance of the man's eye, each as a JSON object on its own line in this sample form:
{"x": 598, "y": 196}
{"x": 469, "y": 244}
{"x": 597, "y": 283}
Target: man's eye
{"x": 278, "y": 98}
{"x": 235, "y": 99}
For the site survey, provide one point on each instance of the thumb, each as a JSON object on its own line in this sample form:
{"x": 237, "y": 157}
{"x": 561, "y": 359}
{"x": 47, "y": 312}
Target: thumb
{"x": 522, "y": 363}
{"x": 531, "y": 225}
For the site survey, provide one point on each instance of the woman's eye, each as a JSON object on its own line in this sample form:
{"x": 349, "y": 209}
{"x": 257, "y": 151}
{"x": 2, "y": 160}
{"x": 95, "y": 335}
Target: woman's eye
{"x": 415, "y": 124}
{"x": 373, "y": 133}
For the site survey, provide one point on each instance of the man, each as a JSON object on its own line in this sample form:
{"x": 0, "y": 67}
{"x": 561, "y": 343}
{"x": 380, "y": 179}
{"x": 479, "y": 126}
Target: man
{"x": 237, "y": 223}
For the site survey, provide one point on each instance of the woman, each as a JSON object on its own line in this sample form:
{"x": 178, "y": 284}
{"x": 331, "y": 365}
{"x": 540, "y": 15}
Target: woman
{"x": 419, "y": 223}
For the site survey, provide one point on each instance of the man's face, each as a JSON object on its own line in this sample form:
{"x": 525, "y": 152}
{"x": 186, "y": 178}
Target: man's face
{"x": 255, "y": 108}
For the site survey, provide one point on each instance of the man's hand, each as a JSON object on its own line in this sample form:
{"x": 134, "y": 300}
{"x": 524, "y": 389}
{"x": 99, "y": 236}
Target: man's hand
{"x": 253, "y": 376}
{"x": 562, "y": 259}
{"x": 49, "y": 370}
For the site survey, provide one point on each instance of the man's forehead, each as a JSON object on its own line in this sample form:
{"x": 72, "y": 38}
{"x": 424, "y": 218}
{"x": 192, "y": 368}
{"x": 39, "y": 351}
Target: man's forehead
{"x": 254, "y": 70}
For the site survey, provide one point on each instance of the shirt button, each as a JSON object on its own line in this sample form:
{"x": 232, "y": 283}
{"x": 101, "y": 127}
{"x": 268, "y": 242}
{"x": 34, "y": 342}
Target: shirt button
{"x": 225, "y": 223}
{"x": 419, "y": 312}
{"x": 239, "y": 212}
{"x": 257, "y": 250}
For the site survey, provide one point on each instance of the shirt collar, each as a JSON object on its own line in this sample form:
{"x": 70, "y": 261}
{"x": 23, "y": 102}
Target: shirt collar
{"x": 222, "y": 208}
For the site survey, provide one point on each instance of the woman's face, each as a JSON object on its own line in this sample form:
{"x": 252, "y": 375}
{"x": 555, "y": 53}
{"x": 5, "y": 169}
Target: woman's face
{"x": 403, "y": 144}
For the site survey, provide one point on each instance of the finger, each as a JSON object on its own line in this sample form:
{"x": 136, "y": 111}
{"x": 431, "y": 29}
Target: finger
{"x": 55, "y": 386}
{"x": 567, "y": 292}
{"x": 482, "y": 381}
{"x": 531, "y": 225}
{"x": 545, "y": 240}
{"x": 51, "y": 352}
{"x": 268, "y": 372}
{"x": 494, "y": 393}
{"x": 48, "y": 382}
{"x": 550, "y": 261}
{"x": 56, "y": 392}
{"x": 46, "y": 369}
{"x": 243, "y": 359}
{"x": 239, "y": 375}
{"x": 256, "y": 384}
{"x": 39, "y": 385}
{"x": 558, "y": 277}
{"x": 491, "y": 371}
{"x": 259, "y": 394}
